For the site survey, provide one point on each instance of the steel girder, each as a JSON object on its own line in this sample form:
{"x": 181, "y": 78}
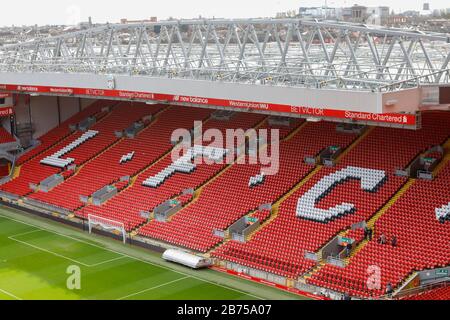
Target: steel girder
{"x": 285, "y": 52}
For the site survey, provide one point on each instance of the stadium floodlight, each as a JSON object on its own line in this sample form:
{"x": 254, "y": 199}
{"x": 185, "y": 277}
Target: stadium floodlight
{"x": 107, "y": 224}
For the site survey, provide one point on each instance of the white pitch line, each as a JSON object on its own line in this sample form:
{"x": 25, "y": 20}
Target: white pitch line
{"x": 137, "y": 259}
{"x": 48, "y": 251}
{"x": 153, "y": 288}
{"x": 107, "y": 261}
{"x": 9, "y": 294}
{"x": 61, "y": 234}
{"x": 62, "y": 256}
{"x": 25, "y": 233}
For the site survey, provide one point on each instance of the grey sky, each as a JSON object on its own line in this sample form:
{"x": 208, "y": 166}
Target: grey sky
{"x": 72, "y": 11}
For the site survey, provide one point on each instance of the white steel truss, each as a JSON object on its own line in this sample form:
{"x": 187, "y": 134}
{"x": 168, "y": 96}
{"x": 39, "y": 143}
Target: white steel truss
{"x": 283, "y": 52}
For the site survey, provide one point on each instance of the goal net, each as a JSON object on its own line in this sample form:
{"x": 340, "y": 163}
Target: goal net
{"x": 107, "y": 224}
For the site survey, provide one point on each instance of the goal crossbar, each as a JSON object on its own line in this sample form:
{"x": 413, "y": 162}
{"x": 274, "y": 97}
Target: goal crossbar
{"x": 107, "y": 224}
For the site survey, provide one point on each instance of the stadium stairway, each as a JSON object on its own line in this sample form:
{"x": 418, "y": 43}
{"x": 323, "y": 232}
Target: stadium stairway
{"x": 199, "y": 189}
{"x": 145, "y": 198}
{"x": 277, "y": 205}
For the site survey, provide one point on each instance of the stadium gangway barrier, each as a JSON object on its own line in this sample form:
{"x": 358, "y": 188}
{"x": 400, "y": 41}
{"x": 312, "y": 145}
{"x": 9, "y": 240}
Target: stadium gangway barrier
{"x": 50, "y": 208}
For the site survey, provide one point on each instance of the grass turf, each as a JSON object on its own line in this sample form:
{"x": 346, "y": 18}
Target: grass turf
{"x": 34, "y": 264}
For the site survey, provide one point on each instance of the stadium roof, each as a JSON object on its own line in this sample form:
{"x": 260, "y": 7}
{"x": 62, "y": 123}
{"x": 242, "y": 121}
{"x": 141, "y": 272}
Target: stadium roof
{"x": 276, "y": 52}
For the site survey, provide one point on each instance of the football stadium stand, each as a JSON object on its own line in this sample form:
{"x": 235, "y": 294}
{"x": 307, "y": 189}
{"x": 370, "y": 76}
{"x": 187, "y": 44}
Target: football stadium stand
{"x": 104, "y": 162}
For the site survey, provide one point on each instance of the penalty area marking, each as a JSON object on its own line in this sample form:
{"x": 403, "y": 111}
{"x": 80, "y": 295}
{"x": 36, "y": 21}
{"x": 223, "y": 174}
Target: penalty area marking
{"x": 153, "y": 288}
{"x": 137, "y": 259}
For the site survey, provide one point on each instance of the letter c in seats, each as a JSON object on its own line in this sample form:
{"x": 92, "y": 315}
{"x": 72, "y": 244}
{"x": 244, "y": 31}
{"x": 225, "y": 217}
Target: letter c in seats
{"x": 371, "y": 179}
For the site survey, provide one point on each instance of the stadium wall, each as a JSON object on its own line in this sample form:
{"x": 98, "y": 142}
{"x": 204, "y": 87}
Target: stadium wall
{"x": 44, "y": 111}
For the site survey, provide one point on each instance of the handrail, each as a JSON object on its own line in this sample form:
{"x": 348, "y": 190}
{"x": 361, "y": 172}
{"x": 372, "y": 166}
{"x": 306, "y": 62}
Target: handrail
{"x": 413, "y": 291}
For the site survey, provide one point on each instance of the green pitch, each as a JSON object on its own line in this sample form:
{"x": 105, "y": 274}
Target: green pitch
{"x": 37, "y": 262}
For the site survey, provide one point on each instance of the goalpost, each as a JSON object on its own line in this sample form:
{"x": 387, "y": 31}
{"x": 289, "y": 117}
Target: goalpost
{"x": 107, "y": 224}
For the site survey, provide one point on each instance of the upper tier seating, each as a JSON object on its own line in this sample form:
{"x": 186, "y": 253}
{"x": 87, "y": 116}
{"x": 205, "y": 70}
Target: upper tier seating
{"x": 280, "y": 246}
{"x": 63, "y": 131}
{"x": 5, "y": 136}
{"x": 229, "y": 197}
{"x": 34, "y": 172}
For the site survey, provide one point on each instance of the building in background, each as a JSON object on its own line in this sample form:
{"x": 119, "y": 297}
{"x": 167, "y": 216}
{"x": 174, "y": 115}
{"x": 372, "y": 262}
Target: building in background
{"x": 126, "y": 21}
{"x": 356, "y": 13}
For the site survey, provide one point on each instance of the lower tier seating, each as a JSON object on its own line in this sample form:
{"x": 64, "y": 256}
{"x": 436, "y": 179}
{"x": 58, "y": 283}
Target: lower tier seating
{"x": 435, "y": 294}
{"x": 62, "y": 131}
{"x": 126, "y": 206}
{"x": 5, "y": 136}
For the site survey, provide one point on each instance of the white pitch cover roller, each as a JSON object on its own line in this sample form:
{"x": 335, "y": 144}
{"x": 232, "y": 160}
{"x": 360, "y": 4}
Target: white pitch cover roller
{"x": 186, "y": 259}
